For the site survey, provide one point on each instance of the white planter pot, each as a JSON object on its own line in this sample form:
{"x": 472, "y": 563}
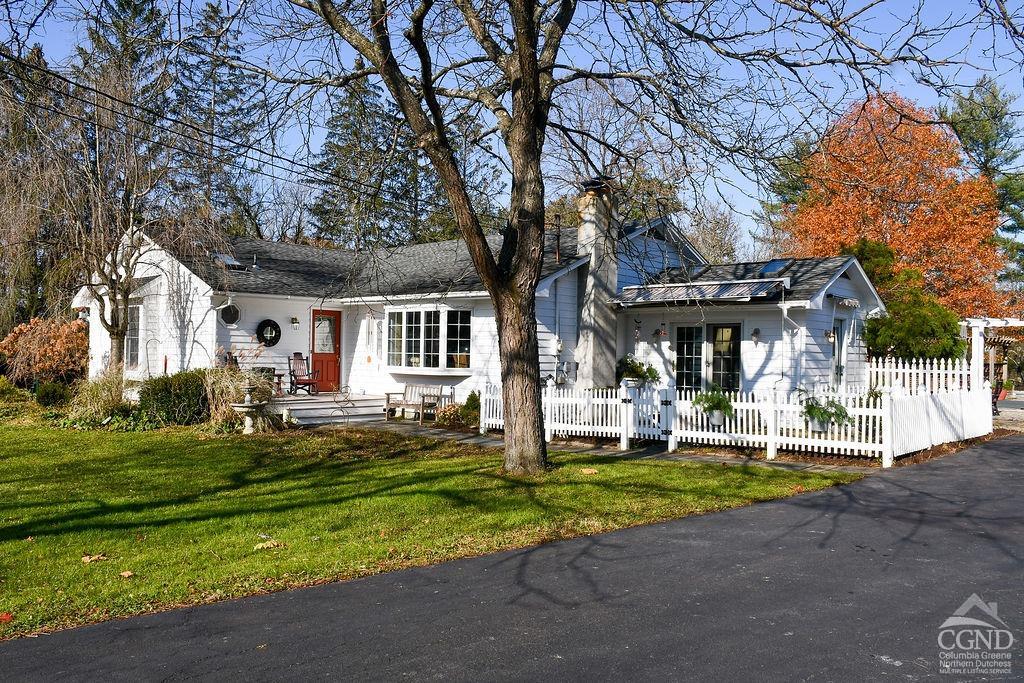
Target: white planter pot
{"x": 818, "y": 425}
{"x": 716, "y": 418}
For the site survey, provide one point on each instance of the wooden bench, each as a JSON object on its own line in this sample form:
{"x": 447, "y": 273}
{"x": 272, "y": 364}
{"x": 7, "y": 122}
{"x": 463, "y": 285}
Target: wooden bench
{"x": 420, "y": 398}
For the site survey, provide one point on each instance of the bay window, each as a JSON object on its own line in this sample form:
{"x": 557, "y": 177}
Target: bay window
{"x": 417, "y": 337}
{"x": 458, "y": 339}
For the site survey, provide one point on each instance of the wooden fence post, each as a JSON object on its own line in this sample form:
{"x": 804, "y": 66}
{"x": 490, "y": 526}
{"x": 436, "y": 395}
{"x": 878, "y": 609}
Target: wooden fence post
{"x": 625, "y": 416}
{"x": 772, "y": 447}
{"x": 887, "y": 417}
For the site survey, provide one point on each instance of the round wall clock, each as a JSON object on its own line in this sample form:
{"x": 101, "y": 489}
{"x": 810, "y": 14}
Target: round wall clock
{"x": 268, "y": 332}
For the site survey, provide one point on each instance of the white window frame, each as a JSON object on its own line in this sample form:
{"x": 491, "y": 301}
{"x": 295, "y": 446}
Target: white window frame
{"x": 234, "y": 325}
{"x": 442, "y": 340}
{"x": 136, "y": 304}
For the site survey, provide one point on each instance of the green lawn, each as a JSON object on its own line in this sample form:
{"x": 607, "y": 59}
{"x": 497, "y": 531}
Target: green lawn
{"x": 184, "y": 512}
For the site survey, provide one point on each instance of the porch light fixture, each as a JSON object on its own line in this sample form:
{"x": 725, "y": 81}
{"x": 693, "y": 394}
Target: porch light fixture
{"x": 755, "y": 336}
{"x": 295, "y": 323}
{"x": 830, "y": 336}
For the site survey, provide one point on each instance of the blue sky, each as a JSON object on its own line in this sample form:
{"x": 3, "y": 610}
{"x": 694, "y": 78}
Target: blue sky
{"x": 58, "y": 38}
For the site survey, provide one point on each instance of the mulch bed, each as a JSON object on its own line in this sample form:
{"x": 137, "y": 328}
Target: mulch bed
{"x": 939, "y": 451}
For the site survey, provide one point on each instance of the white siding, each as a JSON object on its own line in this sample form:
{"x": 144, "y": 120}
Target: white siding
{"x": 767, "y": 364}
{"x": 819, "y": 320}
{"x": 240, "y": 339}
{"x": 176, "y": 325}
{"x": 558, "y": 319}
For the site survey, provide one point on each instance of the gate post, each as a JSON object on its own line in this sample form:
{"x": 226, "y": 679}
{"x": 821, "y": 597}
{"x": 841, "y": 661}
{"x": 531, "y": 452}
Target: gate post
{"x": 668, "y": 416}
{"x": 485, "y": 398}
{"x": 772, "y": 447}
{"x": 888, "y": 450}
{"x": 547, "y": 408}
{"x": 625, "y": 416}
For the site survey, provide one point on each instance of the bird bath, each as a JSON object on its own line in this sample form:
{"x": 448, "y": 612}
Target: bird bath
{"x": 248, "y": 409}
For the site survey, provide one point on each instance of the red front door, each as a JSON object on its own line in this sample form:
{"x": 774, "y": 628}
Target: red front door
{"x": 327, "y": 349}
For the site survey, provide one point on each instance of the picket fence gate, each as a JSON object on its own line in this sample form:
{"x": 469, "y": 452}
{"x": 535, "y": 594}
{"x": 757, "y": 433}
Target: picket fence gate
{"x": 883, "y": 424}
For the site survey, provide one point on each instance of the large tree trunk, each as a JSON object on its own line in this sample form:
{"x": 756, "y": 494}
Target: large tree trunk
{"x": 116, "y": 359}
{"x": 516, "y": 318}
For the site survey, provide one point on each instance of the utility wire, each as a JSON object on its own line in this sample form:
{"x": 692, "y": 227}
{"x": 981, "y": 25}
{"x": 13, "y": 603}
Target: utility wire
{"x": 373, "y": 192}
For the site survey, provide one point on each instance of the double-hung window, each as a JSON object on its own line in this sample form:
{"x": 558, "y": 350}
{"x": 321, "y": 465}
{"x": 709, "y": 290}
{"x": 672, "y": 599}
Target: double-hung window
{"x": 131, "y": 337}
{"x": 429, "y": 338}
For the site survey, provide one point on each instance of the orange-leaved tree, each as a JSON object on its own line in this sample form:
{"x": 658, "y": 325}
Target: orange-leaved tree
{"x": 883, "y": 172}
{"x": 46, "y": 350}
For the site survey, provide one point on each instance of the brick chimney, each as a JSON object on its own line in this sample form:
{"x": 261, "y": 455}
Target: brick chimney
{"x": 597, "y": 237}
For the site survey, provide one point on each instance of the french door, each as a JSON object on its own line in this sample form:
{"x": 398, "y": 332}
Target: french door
{"x": 724, "y": 360}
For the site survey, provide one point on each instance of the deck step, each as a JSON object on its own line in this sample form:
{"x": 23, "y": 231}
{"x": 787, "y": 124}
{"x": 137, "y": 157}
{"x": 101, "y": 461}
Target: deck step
{"x": 331, "y": 411}
{"x": 336, "y": 420}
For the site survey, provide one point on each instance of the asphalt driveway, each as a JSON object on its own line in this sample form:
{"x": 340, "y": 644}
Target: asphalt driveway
{"x": 848, "y": 583}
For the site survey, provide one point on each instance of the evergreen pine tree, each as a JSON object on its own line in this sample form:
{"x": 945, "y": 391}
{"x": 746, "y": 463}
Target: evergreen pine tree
{"x": 379, "y": 189}
{"x": 215, "y": 98}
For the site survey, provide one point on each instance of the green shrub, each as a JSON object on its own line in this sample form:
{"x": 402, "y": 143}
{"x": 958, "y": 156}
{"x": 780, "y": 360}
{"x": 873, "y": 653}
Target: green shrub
{"x": 471, "y": 409}
{"x": 9, "y": 391}
{"x": 175, "y": 399}
{"x": 52, "y": 394}
{"x": 97, "y": 399}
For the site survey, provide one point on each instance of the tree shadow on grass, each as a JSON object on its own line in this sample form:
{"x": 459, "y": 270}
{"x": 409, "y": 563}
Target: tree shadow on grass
{"x": 310, "y": 482}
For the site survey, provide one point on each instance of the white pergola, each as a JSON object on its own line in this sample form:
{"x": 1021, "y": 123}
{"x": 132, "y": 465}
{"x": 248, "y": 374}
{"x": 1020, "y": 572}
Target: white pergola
{"x": 978, "y": 327}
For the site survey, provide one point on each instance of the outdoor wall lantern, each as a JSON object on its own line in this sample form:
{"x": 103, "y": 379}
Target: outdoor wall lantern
{"x": 295, "y": 323}
{"x": 830, "y": 336}
{"x": 755, "y": 336}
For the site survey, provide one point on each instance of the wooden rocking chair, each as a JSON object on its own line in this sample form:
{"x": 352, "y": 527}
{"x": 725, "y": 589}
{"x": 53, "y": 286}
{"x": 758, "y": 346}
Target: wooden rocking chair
{"x": 300, "y": 377}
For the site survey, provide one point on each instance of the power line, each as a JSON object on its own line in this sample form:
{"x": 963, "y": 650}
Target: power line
{"x": 373, "y": 192}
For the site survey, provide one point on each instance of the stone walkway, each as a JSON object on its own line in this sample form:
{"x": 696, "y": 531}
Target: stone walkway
{"x": 655, "y": 451}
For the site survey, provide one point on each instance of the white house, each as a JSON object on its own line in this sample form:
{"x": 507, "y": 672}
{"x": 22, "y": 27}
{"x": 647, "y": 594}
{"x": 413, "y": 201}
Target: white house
{"x": 419, "y": 314}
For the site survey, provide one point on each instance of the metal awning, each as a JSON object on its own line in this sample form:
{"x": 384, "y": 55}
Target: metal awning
{"x": 729, "y": 290}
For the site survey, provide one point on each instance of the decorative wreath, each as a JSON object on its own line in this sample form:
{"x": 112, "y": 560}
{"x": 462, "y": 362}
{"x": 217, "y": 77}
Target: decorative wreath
{"x": 268, "y": 333}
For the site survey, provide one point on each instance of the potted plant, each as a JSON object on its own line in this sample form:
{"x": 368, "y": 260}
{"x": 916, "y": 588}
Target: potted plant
{"x": 715, "y": 403}
{"x": 635, "y": 371}
{"x": 820, "y": 415}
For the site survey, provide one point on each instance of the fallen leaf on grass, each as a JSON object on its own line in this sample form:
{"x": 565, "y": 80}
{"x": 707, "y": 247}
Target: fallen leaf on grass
{"x": 268, "y": 545}
{"x": 6, "y": 617}
{"x": 126, "y": 574}
{"x": 88, "y": 559}
{"x": 798, "y": 488}
{"x": 588, "y": 470}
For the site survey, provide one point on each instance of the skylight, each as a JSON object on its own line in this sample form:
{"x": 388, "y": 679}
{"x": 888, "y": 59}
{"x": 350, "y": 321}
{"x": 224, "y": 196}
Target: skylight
{"x": 775, "y": 266}
{"x": 228, "y": 261}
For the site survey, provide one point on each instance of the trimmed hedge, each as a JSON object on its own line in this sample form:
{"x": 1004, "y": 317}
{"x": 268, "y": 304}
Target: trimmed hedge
{"x": 176, "y": 399}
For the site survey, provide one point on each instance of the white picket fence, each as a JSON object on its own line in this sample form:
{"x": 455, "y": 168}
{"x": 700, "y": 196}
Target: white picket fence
{"x": 918, "y": 375}
{"x": 884, "y": 424}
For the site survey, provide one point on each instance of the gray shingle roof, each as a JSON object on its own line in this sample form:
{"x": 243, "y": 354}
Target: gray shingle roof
{"x": 300, "y": 270}
{"x": 807, "y": 277}
{"x": 267, "y": 267}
